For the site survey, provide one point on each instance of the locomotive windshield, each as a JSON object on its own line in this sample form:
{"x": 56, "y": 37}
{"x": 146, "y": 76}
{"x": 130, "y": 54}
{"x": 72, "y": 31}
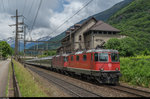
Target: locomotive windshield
{"x": 102, "y": 57}
{"x": 114, "y": 57}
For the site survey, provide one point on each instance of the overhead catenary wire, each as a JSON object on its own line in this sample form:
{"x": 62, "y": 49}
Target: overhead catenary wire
{"x": 24, "y": 6}
{"x": 29, "y": 12}
{"x": 64, "y": 21}
{"x": 72, "y": 16}
{"x": 3, "y": 5}
{"x": 36, "y": 17}
{"x": 30, "y": 7}
{"x": 9, "y": 6}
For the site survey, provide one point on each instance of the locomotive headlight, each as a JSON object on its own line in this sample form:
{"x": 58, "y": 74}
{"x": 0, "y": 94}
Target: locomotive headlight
{"x": 102, "y": 69}
{"x": 117, "y": 69}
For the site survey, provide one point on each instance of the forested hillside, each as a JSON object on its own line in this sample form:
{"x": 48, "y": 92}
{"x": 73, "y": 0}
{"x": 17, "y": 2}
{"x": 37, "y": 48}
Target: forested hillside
{"x": 134, "y": 22}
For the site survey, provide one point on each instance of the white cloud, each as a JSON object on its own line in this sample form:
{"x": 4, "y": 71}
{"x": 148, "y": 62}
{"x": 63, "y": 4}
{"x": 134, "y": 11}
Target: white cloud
{"x": 74, "y": 5}
{"x": 5, "y": 29}
{"x": 51, "y": 15}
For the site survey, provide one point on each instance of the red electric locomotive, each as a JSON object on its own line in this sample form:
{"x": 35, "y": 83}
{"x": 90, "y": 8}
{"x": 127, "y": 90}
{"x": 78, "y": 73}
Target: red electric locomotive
{"x": 99, "y": 64}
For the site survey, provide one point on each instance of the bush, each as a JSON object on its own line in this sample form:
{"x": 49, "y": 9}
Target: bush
{"x": 146, "y": 52}
{"x": 135, "y": 71}
{"x": 126, "y": 46}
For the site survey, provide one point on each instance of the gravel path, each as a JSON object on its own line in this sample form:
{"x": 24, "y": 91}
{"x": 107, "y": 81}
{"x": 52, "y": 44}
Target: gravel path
{"x": 4, "y": 66}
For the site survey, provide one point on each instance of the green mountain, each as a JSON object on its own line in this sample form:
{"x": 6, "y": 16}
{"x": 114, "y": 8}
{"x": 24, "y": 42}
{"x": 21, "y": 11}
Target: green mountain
{"x": 134, "y": 21}
{"x": 104, "y": 16}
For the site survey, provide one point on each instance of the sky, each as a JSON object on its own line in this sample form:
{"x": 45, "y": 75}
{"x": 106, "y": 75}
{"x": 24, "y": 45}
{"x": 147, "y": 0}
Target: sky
{"x": 51, "y": 15}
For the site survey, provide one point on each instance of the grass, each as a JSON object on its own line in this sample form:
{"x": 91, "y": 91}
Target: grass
{"x": 136, "y": 70}
{"x": 28, "y": 86}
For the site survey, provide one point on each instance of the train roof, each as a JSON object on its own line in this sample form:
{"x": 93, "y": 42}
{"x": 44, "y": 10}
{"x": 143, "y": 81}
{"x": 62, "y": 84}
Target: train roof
{"x": 49, "y": 57}
{"x": 65, "y": 54}
{"x": 61, "y": 55}
{"x": 44, "y": 58}
{"x": 96, "y": 50}
{"x": 102, "y": 50}
{"x": 79, "y": 52}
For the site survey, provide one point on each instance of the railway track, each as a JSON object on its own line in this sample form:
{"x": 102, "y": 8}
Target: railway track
{"x": 73, "y": 90}
{"x": 132, "y": 91}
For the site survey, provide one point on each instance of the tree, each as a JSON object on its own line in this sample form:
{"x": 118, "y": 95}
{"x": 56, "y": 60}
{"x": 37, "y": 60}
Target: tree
{"x": 113, "y": 43}
{"x": 128, "y": 47}
{"x": 50, "y": 53}
{"x": 5, "y": 49}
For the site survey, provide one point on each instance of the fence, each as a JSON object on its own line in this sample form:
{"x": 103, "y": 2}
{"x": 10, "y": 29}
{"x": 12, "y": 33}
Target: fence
{"x": 15, "y": 83}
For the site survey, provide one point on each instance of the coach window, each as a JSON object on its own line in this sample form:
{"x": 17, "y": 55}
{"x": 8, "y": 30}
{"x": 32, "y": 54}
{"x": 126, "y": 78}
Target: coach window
{"x": 84, "y": 57}
{"x": 96, "y": 57}
{"x": 77, "y": 58}
{"x": 71, "y": 58}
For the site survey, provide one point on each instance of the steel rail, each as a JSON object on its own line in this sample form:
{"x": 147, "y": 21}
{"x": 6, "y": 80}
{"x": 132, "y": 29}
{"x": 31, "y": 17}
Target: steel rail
{"x": 47, "y": 76}
{"x": 129, "y": 91}
{"x": 132, "y": 91}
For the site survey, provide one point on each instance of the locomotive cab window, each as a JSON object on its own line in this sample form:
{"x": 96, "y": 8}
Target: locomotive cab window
{"x": 103, "y": 57}
{"x": 114, "y": 57}
{"x": 96, "y": 57}
{"x": 84, "y": 57}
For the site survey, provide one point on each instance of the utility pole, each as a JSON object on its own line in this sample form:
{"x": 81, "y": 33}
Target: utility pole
{"x": 17, "y": 32}
{"x": 24, "y": 40}
{"x": 16, "y": 39}
{"x": 1, "y": 52}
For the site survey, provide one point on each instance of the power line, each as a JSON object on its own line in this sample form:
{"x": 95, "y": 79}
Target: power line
{"x": 3, "y": 5}
{"x": 7, "y": 6}
{"x": 31, "y": 7}
{"x": 72, "y": 16}
{"x": 24, "y": 7}
{"x": 30, "y": 11}
{"x": 16, "y": 4}
{"x": 36, "y": 16}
